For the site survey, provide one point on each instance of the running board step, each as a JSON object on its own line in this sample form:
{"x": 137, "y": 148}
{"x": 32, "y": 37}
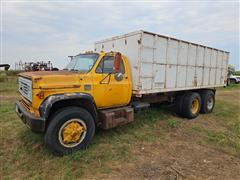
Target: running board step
{"x": 111, "y": 118}
{"x": 139, "y": 106}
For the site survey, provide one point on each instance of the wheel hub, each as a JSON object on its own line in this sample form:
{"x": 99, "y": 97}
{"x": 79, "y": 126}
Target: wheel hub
{"x": 195, "y": 106}
{"x": 72, "y": 133}
{"x": 210, "y": 103}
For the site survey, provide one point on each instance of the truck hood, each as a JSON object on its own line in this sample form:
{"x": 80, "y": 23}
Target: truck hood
{"x": 53, "y": 79}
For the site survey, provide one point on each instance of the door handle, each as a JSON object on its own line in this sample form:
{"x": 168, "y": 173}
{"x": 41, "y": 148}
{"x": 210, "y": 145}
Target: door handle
{"x": 126, "y": 77}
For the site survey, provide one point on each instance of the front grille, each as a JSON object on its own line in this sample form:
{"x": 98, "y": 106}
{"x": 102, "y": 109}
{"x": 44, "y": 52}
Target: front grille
{"x": 25, "y": 88}
{"x": 25, "y": 105}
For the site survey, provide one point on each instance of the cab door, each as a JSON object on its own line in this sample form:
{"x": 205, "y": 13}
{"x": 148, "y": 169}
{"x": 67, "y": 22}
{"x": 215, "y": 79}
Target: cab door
{"x": 111, "y": 89}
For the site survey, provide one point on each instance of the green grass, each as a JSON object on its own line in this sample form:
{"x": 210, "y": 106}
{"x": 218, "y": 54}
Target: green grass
{"x": 227, "y": 116}
{"x": 9, "y": 85}
{"x": 23, "y": 154}
{"x": 230, "y": 87}
{"x": 11, "y": 72}
{"x": 172, "y": 123}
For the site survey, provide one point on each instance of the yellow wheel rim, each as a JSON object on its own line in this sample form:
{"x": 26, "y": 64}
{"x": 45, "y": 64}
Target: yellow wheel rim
{"x": 195, "y": 106}
{"x": 72, "y": 132}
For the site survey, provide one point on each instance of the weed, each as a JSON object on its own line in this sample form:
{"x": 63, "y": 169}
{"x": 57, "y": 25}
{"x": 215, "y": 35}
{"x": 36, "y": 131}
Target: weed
{"x": 172, "y": 123}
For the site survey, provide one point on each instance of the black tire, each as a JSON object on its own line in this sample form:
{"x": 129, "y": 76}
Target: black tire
{"x": 208, "y": 101}
{"x": 187, "y": 106}
{"x": 56, "y": 122}
{"x": 233, "y": 81}
{"x": 178, "y": 104}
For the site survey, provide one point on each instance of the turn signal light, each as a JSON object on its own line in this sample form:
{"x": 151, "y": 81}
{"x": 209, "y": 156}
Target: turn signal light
{"x": 36, "y": 113}
{"x": 40, "y": 95}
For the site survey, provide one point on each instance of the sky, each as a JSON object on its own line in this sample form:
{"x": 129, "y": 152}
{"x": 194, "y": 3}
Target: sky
{"x": 50, "y": 30}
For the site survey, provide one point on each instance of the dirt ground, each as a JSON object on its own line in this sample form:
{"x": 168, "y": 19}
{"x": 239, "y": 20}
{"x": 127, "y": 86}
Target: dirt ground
{"x": 181, "y": 156}
{"x": 158, "y": 145}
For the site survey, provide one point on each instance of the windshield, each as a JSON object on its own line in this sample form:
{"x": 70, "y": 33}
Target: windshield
{"x": 82, "y": 62}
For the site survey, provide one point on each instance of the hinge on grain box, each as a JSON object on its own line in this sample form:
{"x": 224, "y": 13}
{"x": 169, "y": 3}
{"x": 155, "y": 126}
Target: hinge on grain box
{"x": 111, "y": 118}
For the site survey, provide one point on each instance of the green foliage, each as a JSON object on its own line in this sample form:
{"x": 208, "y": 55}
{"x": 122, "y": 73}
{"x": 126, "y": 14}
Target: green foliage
{"x": 172, "y": 123}
{"x": 236, "y": 73}
{"x": 217, "y": 137}
{"x": 231, "y": 69}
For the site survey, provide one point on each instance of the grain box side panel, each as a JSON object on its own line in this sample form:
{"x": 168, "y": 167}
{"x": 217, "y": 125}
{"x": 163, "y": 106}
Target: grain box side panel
{"x": 207, "y": 57}
{"x": 133, "y": 54}
{"x": 190, "y": 76}
{"x": 192, "y": 54}
{"x": 163, "y": 64}
{"x": 159, "y": 64}
{"x": 129, "y": 46}
{"x": 199, "y": 65}
{"x": 191, "y": 66}
{"x": 171, "y": 76}
{"x": 224, "y": 66}
{"x": 181, "y": 76}
{"x": 182, "y": 64}
{"x": 206, "y": 72}
{"x": 219, "y": 76}
{"x": 183, "y": 53}
{"x": 172, "y": 52}
{"x": 213, "y": 70}
{"x": 160, "y": 50}
{"x": 200, "y": 56}
{"x": 159, "y": 76}
{"x": 206, "y": 66}
{"x": 147, "y": 60}
{"x": 199, "y": 75}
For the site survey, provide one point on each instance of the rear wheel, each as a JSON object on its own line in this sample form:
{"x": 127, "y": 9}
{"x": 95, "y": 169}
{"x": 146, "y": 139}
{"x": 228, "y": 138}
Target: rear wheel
{"x": 70, "y": 129}
{"x": 191, "y": 105}
{"x": 208, "y": 101}
{"x": 179, "y": 104}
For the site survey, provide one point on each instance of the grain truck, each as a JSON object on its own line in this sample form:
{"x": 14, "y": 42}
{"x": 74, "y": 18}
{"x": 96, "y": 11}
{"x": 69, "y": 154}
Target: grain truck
{"x": 124, "y": 74}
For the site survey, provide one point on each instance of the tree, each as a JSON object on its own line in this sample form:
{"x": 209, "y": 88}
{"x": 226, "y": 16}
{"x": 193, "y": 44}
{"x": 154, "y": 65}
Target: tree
{"x": 231, "y": 69}
{"x": 237, "y": 73}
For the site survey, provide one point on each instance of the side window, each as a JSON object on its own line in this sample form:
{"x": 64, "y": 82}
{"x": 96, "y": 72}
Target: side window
{"x": 107, "y": 65}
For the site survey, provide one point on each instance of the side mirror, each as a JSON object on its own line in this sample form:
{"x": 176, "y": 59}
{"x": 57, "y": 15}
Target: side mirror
{"x": 118, "y": 76}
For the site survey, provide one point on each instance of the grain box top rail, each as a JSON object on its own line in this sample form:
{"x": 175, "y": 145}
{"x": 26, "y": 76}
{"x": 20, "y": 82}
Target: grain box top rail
{"x": 147, "y": 32}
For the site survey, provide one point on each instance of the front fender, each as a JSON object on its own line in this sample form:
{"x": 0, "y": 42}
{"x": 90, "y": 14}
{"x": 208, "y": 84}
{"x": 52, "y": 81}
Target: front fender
{"x": 47, "y": 104}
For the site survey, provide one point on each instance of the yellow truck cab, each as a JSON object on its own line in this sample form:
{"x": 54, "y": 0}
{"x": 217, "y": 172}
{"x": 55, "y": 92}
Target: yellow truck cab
{"x": 104, "y": 89}
{"x": 66, "y": 104}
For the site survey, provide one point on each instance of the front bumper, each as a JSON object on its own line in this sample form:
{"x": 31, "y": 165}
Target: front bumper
{"x": 36, "y": 124}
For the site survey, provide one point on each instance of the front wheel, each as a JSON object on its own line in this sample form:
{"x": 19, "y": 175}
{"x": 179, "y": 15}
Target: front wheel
{"x": 70, "y": 129}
